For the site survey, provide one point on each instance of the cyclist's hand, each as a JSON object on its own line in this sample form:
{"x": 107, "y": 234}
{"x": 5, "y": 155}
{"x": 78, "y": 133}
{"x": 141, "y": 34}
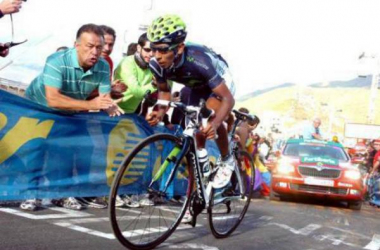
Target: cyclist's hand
{"x": 101, "y": 102}
{"x": 153, "y": 118}
{"x": 209, "y": 131}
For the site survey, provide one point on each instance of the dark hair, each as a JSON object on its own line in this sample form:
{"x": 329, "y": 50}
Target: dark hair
{"x": 132, "y": 48}
{"x": 62, "y": 48}
{"x": 244, "y": 110}
{"x": 90, "y": 28}
{"x": 108, "y": 31}
{"x": 142, "y": 40}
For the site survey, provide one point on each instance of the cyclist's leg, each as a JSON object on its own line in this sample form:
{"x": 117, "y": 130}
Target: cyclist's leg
{"x": 227, "y": 163}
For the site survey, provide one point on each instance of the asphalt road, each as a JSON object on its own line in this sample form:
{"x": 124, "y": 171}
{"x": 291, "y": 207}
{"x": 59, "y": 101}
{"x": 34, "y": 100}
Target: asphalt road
{"x": 292, "y": 225}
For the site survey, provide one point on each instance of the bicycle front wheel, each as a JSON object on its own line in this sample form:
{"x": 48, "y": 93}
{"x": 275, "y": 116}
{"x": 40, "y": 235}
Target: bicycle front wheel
{"x": 150, "y": 192}
{"x": 227, "y": 209}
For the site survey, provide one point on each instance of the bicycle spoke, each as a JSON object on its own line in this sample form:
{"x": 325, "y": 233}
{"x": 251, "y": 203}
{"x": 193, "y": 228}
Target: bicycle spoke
{"x": 151, "y": 216}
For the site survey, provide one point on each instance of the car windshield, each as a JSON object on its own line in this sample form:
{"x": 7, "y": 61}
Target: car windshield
{"x": 326, "y": 151}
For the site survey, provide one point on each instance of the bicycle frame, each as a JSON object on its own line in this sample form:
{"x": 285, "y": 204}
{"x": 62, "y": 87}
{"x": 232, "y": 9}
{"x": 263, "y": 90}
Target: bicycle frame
{"x": 189, "y": 146}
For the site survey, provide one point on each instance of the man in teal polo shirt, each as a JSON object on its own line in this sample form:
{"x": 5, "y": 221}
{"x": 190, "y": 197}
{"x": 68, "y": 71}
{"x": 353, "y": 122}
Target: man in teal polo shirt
{"x": 70, "y": 76}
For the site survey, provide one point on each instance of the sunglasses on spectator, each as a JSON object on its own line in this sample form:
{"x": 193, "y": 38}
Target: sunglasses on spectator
{"x": 147, "y": 50}
{"x": 163, "y": 49}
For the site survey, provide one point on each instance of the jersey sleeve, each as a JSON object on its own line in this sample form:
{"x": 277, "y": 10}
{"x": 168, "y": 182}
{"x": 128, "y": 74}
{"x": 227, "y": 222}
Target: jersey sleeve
{"x": 208, "y": 71}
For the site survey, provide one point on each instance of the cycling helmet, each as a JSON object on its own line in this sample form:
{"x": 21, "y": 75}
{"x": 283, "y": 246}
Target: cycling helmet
{"x": 168, "y": 29}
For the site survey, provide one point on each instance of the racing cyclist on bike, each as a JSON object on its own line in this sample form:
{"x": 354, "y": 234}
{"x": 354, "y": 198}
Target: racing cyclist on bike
{"x": 201, "y": 69}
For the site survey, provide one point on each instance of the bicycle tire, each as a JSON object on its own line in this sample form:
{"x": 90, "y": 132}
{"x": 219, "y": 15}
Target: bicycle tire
{"x": 143, "y": 227}
{"x": 223, "y": 219}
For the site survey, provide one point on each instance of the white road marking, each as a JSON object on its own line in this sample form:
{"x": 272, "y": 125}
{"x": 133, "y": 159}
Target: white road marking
{"x": 111, "y": 236}
{"x": 226, "y": 217}
{"x": 85, "y": 230}
{"x": 303, "y": 231}
{"x": 339, "y": 220}
{"x": 191, "y": 246}
{"x": 65, "y": 213}
{"x": 374, "y": 244}
{"x": 336, "y": 240}
{"x": 350, "y": 232}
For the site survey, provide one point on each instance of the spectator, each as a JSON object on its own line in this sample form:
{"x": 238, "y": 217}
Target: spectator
{"x": 68, "y": 78}
{"x": 369, "y": 156}
{"x": 376, "y": 159}
{"x": 61, "y": 89}
{"x": 132, "y": 48}
{"x": 133, "y": 70}
{"x": 259, "y": 164}
{"x": 313, "y": 131}
{"x": 117, "y": 87}
{"x": 8, "y": 7}
{"x": 244, "y": 129}
{"x": 264, "y": 149}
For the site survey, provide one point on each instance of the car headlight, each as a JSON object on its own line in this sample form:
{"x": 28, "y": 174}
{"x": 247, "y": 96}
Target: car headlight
{"x": 285, "y": 167}
{"x": 352, "y": 174}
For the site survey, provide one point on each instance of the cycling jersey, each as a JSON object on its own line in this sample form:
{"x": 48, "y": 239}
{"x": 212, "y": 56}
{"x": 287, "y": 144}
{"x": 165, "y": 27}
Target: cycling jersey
{"x": 199, "y": 67}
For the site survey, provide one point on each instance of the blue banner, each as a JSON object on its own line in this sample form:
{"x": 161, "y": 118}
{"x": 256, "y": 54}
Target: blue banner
{"x": 47, "y": 154}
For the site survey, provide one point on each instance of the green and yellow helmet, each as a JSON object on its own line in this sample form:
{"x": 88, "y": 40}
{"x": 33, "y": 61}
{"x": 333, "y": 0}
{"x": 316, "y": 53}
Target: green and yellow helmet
{"x": 168, "y": 29}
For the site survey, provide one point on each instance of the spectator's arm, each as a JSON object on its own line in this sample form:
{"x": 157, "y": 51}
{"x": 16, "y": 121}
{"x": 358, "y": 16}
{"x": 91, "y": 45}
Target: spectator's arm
{"x": 57, "y": 100}
{"x": 375, "y": 167}
{"x": 127, "y": 73}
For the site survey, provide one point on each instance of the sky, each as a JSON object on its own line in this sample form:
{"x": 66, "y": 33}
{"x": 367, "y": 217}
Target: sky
{"x": 266, "y": 42}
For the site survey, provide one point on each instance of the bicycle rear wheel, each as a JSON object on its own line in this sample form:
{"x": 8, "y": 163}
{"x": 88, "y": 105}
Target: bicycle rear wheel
{"x": 145, "y": 173}
{"x": 227, "y": 210}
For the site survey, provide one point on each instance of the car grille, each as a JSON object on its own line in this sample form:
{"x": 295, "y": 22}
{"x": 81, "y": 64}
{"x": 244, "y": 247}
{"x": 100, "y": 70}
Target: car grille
{"x": 324, "y": 173}
{"x": 318, "y": 189}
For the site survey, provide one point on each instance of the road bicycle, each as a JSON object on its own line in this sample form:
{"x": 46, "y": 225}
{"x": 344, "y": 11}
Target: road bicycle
{"x": 165, "y": 169}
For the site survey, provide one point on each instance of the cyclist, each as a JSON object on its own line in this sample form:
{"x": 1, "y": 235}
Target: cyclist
{"x": 199, "y": 68}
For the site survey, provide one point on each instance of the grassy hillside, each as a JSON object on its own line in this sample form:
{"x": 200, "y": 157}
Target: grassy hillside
{"x": 296, "y": 104}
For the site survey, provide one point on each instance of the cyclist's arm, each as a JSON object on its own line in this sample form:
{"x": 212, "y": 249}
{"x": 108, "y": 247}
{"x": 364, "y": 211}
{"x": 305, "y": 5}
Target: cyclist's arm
{"x": 227, "y": 103}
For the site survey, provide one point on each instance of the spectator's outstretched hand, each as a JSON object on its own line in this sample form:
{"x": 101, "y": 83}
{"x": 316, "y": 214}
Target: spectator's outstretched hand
{"x": 117, "y": 89}
{"x": 115, "y": 110}
{"x": 3, "y": 50}
{"x": 10, "y": 6}
{"x": 101, "y": 102}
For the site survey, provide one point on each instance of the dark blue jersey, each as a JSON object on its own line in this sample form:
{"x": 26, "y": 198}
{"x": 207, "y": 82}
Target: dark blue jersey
{"x": 199, "y": 67}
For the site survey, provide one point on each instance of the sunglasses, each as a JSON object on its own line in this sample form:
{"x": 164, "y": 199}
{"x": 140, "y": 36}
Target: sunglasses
{"x": 147, "y": 50}
{"x": 163, "y": 49}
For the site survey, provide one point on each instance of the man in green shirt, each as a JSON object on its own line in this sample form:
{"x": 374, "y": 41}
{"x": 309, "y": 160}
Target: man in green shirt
{"x": 133, "y": 70}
